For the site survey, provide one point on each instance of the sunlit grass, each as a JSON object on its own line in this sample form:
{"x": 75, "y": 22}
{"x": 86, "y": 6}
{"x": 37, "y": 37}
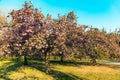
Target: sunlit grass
{"x": 11, "y": 70}
{"x": 92, "y": 72}
{"x": 29, "y": 74}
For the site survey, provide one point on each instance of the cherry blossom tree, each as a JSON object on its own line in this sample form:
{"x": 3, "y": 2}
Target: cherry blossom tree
{"x": 26, "y": 22}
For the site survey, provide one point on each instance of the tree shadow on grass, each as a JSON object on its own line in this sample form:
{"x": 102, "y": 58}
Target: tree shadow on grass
{"x": 64, "y": 76}
{"x": 84, "y": 63}
{"x": 70, "y": 63}
{"x": 8, "y": 67}
{"x": 13, "y": 66}
{"x": 57, "y": 75}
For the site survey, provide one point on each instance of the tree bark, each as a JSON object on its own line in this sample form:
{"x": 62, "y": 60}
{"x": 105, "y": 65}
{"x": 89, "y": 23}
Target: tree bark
{"x": 17, "y": 59}
{"x": 47, "y": 63}
{"x": 61, "y": 57}
{"x": 93, "y": 61}
{"x": 25, "y": 60}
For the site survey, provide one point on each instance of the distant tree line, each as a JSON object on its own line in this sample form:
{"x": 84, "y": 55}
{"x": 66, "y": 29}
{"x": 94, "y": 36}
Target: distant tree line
{"x": 31, "y": 33}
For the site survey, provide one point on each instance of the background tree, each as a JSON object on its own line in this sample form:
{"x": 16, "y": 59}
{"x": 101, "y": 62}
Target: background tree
{"x": 97, "y": 45}
{"x": 114, "y": 40}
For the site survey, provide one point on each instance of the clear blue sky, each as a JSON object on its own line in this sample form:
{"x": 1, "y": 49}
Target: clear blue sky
{"x": 98, "y": 13}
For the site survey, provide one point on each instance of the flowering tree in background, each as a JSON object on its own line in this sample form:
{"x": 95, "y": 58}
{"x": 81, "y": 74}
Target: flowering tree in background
{"x": 114, "y": 40}
{"x": 62, "y": 28}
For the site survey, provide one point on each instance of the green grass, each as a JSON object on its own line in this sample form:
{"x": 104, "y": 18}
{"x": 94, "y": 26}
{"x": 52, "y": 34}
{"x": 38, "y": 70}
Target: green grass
{"x": 12, "y": 70}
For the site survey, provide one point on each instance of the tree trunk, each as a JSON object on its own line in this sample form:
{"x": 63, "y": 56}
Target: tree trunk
{"x": 40, "y": 56}
{"x": 61, "y": 57}
{"x": 17, "y": 59}
{"x": 25, "y": 60}
{"x": 93, "y": 61}
{"x": 47, "y": 63}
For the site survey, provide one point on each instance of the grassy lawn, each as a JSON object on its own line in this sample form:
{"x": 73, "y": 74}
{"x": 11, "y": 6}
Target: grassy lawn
{"x": 12, "y": 70}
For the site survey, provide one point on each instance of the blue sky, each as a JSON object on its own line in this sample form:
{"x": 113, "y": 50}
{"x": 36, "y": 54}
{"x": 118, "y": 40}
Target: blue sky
{"x": 98, "y": 13}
